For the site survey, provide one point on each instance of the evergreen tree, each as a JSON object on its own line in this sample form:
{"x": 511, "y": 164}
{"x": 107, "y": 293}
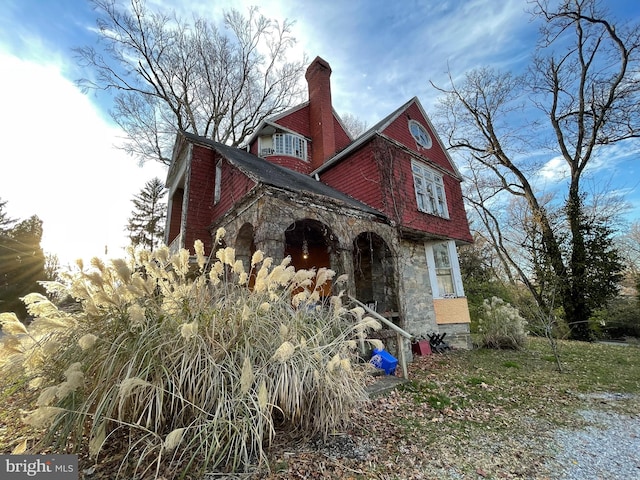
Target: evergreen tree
{"x": 21, "y": 263}
{"x": 604, "y": 267}
{"x": 146, "y": 224}
{"x": 5, "y": 221}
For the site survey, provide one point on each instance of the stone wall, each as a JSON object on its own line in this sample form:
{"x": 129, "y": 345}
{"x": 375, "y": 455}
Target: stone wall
{"x": 270, "y": 215}
{"x": 458, "y": 335}
{"x": 418, "y": 316}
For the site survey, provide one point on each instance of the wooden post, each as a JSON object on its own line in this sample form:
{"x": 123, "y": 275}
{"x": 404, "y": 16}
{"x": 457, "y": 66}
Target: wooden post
{"x": 400, "y": 334}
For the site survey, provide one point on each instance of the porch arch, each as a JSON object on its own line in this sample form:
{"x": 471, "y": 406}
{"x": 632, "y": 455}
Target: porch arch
{"x": 311, "y": 245}
{"x": 245, "y": 245}
{"x": 374, "y": 272}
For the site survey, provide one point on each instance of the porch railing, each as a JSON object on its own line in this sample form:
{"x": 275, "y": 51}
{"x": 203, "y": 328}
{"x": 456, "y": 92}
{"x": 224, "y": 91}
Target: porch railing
{"x": 400, "y": 334}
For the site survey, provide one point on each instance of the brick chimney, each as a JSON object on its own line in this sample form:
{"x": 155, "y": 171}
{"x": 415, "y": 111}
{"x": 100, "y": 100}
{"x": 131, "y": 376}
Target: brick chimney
{"x": 320, "y": 112}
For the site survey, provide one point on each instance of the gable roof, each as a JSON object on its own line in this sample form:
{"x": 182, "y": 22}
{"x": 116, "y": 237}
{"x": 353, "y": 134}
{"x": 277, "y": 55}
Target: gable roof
{"x": 377, "y": 130}
{"x": 362, "y": 139}
{"x": 273, "y": 121}
{"x": 262, "y": 171}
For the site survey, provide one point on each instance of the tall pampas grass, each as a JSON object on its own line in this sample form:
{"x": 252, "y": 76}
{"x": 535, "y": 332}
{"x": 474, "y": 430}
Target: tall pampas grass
{"x": 182, "y": 367}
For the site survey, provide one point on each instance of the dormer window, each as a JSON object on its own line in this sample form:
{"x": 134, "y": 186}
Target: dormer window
{"x": 282, "y": 143}
{"x": 290, "y": 144}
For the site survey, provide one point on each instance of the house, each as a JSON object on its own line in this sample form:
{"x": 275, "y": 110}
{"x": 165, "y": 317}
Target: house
{"x": 385, "y": 208}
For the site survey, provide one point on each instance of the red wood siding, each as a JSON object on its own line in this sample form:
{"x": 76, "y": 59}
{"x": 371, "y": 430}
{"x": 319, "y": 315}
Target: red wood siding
{"x": 342, "y": 138}
{"x": 200, "y": 197}
{"x": 357, "y": 176}
{"x": 175, "y": 218}
{"x": 456, "y": 226}
{"x": 399, "y": 130}
{"x": 298, "y": 121}
{"x": 292, "y": 163}
{"x": 235, "y": 185}
{"x": 201, "y": 211}
{"x": 362, "y": 176}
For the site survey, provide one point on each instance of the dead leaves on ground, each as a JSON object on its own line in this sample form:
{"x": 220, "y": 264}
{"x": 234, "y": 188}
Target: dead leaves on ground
{"x": 465, "y": 415}
{"x": 468, "y": 415}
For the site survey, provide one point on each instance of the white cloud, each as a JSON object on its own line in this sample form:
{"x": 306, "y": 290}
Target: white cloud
{"x": 60, "y": 163}
{"x": 554, "y": 171}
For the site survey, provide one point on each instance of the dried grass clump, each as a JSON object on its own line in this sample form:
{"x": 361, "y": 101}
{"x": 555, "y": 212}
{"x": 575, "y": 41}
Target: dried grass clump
{"x": 183, "y": 368}
{"x": 501, "y": 326}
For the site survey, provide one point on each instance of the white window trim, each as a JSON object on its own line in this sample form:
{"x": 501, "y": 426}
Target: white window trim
{"x": 455, "y": 269}
{"x": 218, "y": 183}
{"x": 433, "y": 182}
{"x": 426, "y": 142}
{"x": 184, "y": 174}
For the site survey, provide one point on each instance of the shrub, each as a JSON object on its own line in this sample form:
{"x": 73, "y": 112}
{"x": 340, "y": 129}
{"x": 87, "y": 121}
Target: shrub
{"x": 501, "y": 326}
{"x": 182, "y": 368}
{"x": 619, "y": 319}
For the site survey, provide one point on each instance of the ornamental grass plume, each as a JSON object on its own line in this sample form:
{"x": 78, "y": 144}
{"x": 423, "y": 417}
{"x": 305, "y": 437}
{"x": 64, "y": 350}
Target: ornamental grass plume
{"x": 87, "y": 341}
{"x": 501, "y": 326}
{"x": 179, "y": 365}
{"x": 11, "y": 325}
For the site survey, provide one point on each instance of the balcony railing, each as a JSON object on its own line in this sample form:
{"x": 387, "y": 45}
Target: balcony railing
{"x": 266, "y": 151}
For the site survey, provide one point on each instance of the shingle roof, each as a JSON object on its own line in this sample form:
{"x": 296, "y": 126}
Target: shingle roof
{"x": 272, "y": 174}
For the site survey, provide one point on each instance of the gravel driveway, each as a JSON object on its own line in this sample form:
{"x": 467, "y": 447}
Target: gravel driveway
{"x": 607, "y": 448}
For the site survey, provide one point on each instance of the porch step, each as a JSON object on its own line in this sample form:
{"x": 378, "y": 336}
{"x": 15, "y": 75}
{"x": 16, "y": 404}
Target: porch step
{"x": 383, "y": 384}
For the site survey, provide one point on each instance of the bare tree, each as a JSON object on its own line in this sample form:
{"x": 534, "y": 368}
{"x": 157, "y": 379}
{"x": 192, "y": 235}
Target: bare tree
{"x": 354, "y": 125}
{"x": 584, "y": 79}
{"x": 169, "y": 74}
{"x": 629, "y": 247}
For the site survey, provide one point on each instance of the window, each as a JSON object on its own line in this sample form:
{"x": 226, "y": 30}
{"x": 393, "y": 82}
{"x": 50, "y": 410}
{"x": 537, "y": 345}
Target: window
{"x": 218, "y": 184}
{"x": 442, "y": 265}
{"x": 444, "y": 271}
{"x": 429, "y": 188}
{"x": 290, "y": 144}
{"x": 420, "y": 134}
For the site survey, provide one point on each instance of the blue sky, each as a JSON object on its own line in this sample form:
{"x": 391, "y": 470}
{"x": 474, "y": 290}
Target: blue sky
{"x": 59, "y": 160}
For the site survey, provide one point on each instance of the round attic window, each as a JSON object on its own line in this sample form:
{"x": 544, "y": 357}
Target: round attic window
{"x": 420, "y": 134}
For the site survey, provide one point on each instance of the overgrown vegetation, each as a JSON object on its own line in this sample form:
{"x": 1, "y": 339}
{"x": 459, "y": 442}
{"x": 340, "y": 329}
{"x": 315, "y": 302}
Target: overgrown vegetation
{"x": 172, "y": 368}
{"x": 501, "y": 326}
{"x": 502, "y": 405}
{"x": 617, "y": 318}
